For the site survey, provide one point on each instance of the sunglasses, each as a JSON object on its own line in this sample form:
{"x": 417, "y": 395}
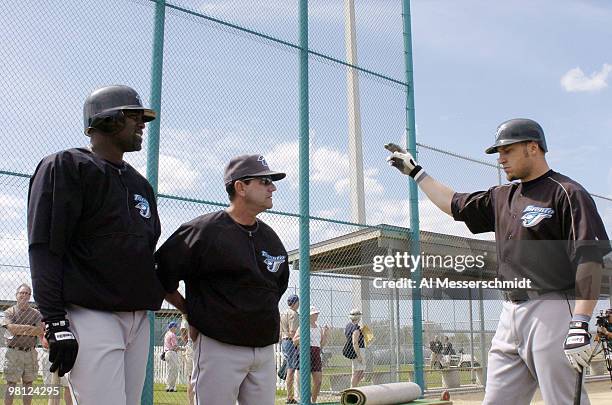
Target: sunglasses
{"x": 266, "y": 181}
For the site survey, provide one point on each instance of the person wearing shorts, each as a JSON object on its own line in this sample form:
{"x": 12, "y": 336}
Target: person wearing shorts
{"x": 318, "y": 339}
{"x": 353, "y": 332}
{"x": 23, "y": 324}
{"x": 289, "y": 323}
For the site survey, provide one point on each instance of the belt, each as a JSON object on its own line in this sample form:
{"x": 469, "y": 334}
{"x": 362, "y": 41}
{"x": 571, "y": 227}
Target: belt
{"x": 23, "y": 349}
{"x": 286, "y": 338}
{"x": 519, "y": 296}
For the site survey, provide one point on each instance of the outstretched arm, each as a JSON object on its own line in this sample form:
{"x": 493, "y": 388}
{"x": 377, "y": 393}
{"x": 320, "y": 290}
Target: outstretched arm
{"x": 440, "y": 194}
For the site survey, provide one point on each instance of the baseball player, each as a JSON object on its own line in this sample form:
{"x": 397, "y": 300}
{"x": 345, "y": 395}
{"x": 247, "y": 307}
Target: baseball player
{"x": 235, "y": 271}
{"x": 92, "y": 229}
{"x": 547, "y": 229}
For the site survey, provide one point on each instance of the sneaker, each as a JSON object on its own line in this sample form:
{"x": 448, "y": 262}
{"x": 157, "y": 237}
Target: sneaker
{"x": 291, "y": 401}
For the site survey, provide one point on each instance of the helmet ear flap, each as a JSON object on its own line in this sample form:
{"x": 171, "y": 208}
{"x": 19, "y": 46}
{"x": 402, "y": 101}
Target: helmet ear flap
{"x": 109, "y": 122}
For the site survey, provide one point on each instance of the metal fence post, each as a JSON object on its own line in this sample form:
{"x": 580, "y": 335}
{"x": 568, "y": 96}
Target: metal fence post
{"x": 153, "y": 166}
{"x": 417, "y": 317}
{"x": 304, "y": 208}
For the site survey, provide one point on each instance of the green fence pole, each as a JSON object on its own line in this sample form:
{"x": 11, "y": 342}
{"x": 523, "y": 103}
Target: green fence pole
{"x": 304, "y": 209}
{"x": 153, "y": 164}
{"x": 417, "y": 318}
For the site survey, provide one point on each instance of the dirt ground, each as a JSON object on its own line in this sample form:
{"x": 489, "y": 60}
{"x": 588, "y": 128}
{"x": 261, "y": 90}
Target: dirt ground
{"x": 599, "y": 394}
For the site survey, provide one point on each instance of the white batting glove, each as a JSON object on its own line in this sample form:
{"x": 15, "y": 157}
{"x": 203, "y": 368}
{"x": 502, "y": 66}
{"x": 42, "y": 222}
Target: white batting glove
{"x": 577, "y": 345}
{"x": 404, "y": 162}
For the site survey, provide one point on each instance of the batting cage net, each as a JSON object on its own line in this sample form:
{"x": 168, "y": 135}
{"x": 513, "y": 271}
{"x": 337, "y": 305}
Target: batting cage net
{"x": 229, "y": 85}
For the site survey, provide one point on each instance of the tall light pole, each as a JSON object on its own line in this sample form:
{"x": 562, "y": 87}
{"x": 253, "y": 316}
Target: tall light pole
{"x": 354, "y": 117}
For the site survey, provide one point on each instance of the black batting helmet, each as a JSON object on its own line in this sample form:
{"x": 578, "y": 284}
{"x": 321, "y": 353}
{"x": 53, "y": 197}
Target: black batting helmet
{"x": 518, "y": 130}
{"x": 103, "y": 108}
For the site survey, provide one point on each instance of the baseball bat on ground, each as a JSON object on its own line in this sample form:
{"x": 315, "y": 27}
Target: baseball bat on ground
{"x": 55, "y": 381}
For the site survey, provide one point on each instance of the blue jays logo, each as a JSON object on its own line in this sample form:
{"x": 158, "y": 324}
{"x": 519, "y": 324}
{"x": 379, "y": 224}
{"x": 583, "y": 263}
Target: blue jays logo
{"x": 273, "y": 262}
{"x": 263, "y": 161}
{"x": 143, "y": 206}
{"x": 533, "y": 215}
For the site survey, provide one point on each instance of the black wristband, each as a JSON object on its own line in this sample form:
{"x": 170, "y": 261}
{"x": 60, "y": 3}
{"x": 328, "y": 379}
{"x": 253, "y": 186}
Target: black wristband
{"x": 415, "y": 171}
{"x": 58, "y": 323}
{"x": 579, "y": 325}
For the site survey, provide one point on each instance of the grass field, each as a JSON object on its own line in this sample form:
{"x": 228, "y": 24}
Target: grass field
{"x": 599, "y": 393}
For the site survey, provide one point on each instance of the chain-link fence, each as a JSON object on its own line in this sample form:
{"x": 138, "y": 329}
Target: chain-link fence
{"x": 230, "y": 82}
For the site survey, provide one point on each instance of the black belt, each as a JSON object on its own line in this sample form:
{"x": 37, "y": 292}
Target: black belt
{"x": 23, "y": 349}
{"x": 287, "y": 339}
{"x": 518, "y": 296}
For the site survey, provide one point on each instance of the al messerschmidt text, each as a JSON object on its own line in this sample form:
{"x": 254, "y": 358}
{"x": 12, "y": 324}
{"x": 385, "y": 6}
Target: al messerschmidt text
{"x": 516, "y": 283}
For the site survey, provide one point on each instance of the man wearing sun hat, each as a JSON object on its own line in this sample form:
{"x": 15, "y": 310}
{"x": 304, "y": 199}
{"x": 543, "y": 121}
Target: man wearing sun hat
{"x": 289, "y": 324}
{"x": 235, "y": 271}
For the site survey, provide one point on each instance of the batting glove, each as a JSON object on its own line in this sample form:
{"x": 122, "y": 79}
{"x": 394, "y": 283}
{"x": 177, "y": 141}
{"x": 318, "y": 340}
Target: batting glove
{"x": 63, "y": 346}
{"x": 577, "y": 345}
{"x": 404, "y": 162}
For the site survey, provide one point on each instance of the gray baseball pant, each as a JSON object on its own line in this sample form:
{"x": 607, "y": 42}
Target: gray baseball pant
{"x": 112, "y": 360}
{"x": 527, "y": 352}
{"x": 224, "y": 373}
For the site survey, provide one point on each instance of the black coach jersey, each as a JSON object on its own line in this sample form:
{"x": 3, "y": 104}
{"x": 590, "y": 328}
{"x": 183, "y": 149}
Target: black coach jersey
{"x": 234, "y": 277}
{"x": 543, "y": 228}
{"x": 101, "y": 221}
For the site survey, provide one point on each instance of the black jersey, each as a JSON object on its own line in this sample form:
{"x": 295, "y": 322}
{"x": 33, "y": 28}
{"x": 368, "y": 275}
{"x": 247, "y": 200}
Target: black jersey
{"x": 92, "y": 229}
{"x": 234, "y": 277}
{"x": 543, "y": 228}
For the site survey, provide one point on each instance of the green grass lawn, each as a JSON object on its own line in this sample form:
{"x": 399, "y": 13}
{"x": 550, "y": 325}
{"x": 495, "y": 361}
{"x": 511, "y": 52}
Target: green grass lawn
{"x": 433, "y": 379}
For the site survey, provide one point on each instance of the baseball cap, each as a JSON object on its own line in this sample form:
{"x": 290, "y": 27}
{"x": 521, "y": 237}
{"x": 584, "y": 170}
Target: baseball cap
{"x": 243, "y": 166}
{"x": 172, "y": 324}
{"x": 314, "y": 310}
{"x": 292, "y": 299}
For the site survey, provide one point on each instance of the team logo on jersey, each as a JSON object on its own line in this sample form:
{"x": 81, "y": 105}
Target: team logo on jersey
{"x": 263, "y": 161}
{"x": 533, "y": 215}
{"x": 273, "y": 262}
{"x": 143, "y": 206}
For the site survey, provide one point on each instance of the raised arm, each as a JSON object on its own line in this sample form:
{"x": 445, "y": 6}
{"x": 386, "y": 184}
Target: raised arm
{"x": 440, "y": 194}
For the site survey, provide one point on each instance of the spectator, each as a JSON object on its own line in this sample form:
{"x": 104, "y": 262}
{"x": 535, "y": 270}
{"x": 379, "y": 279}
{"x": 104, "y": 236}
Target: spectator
{"x": 171, "y": 348}
{"x": 448, "y": 347}
{"x": 23, "y": 324}
{"x": 187, "y": 357}
{"x": 606, "y": 332}
{"x": 289, "y": 323}
{"x": 436, "y": 353}
{"x": 355, "y": 336}
{"x": 318, "y": 339}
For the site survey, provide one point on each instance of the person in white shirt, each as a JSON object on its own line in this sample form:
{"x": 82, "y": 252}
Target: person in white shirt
{"x": 318, "y": 339}
{"x": 187, "y": 357}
